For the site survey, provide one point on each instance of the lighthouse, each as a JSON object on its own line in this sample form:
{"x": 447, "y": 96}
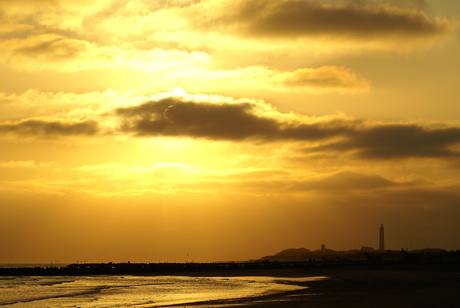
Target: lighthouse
{"x": 382, "y": 238}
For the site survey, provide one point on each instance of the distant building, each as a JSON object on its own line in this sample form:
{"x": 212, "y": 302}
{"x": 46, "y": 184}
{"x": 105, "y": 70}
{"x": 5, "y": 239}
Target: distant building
{"x": 382, "y": 238}
{"x": 323, "y": 247}
{"x": 367, "y": 249}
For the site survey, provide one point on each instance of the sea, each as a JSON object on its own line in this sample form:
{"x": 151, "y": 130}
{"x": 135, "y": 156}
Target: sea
{"x": 142, "y": 291}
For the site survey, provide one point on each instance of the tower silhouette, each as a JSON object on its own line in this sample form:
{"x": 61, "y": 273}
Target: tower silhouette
{"x": 382, "y": 238}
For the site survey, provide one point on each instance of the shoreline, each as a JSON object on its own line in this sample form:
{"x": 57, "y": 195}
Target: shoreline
{"x": 357, "y": 287}
{"x": 293, "y": 269}
{"x": 351, "y": 285}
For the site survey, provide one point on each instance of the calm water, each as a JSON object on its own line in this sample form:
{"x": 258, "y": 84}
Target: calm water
{"x": 135, "y": 291}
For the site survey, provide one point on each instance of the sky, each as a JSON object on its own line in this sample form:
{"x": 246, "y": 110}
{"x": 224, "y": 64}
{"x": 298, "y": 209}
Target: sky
{"x": 197, "y": 131}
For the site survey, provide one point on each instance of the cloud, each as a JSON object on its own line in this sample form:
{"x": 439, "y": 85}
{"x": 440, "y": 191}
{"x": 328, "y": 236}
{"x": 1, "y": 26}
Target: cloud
{"x": 325, "y": 77}
{"x": 54, "y": 14}
{"x": 347, "y": 180}
{"x": 307, "y": 79}
{"x": 180, "y": 115}
{"x": 253, "y": 120}
{"x": 181, "y": 118}
{"x": 148, "y": 34}
{"x": 292, "y": 182}
{"x": 117, "y": 171}
{"x": 294, "y": 18}
{"x": 10, "y": 26}
{"x": 220, "y": 121}
{"x": 192, "y": 69}
{"x": 51, "y": 51}
{"x": 24, "y": 164}
{"x": 49, "y": 128}
{"x": 400, "y": 141}
{"x": 69, "y": 105}
{"x": 175, "y": 178}
{"x": 57, "y": 52}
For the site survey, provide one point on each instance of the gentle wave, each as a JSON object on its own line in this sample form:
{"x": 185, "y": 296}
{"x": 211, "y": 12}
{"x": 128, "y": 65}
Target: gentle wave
{"x": 135, "y": 291}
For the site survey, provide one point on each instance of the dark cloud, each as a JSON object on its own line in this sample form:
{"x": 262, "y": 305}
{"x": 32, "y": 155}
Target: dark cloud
{"x": 339, "y": 18}
{"x": 52, "y": 47}
{"x": 417, "y": 4}
{"x": 227, "y": 121}
{"x": 326, "y": 77}
{"x": 49, "y": 128}
{"x": 177, "y": 118}
{"x": 399, "y": 141}
{"x": 347, "y": 181}
{"x": 239, "y": 121}
{"x": 276, "y": 182}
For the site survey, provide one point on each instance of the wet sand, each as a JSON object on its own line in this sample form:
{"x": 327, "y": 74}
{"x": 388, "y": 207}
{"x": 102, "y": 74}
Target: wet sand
{"x": 349, "y": 285}
{"x": 370, "y": 286}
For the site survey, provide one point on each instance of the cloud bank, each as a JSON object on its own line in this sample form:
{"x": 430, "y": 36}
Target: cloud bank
{"x": 49, "y": 128}
{"x": 219, "y": 118}
{"x": 234, "y": 121}
{"x": 294, "y": 18}
{"x": 400, "y": 141}
{"x": 249, "y": 120}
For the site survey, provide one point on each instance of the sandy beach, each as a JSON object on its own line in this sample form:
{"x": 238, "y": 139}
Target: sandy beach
{"x": 381, "y": 286}
{"x": 349, "y": 285}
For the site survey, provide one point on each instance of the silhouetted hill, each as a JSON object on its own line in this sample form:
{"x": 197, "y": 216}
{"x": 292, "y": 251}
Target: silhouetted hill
{"x": 292, "y": 254}
{"x": 289, "y": 259}
{"x": 303, "y": 254}
{"x": 364, "y": 254}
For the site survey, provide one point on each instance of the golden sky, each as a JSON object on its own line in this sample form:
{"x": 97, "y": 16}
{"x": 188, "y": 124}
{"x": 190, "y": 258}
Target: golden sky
{"x": 216, "y": 130}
